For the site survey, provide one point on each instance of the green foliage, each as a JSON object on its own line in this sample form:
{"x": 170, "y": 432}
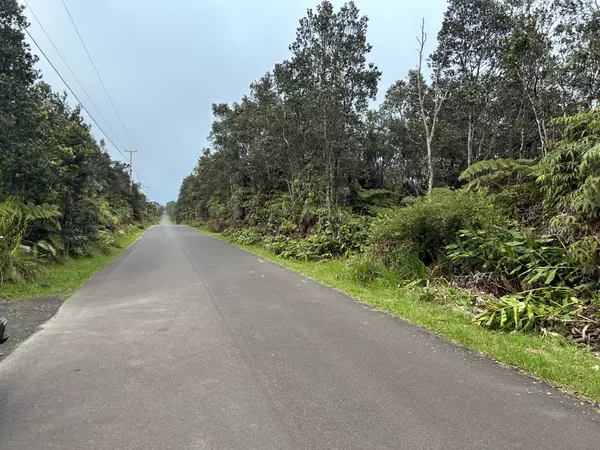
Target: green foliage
{"x": 20, "y": 257}
{"x": 364, "y": 269}
{"x": 289, "y": 159}
{"x": 63, "y": 279}
{"x": 331, "y": 238}
{"x": 244, "y": 236}
{"x": 541, "y": 284}
{"x": 515, "y": 255}
{"x": 564, "y": 184}
{"x": 172, "y": 211}
{"x": 374, "y": 201}
{"x": 278, "y": 215}
{"x": 106, "y": 241}
{"x": 530, "y": 310}
{"x": 499, "y": 172}
{"x": 569, "y": 176}
{"x": 427, "y": 225}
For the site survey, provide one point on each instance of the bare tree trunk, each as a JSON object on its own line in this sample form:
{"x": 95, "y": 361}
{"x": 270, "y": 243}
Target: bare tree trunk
{"x": 480, "y": 149}
{"x": 429, "y": 167}
{"x": 290, "y": 185}
{"x": 541, "y": 126}
{"x": 470, "y": 133}
{"x": 291, "y": 171}
{"x": 439, "y": 98}
{"x": 522, "y": 146}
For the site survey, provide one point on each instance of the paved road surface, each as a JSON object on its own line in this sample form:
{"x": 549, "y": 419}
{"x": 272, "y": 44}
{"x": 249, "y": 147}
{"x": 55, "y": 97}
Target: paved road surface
{"x": 185, "y": 342}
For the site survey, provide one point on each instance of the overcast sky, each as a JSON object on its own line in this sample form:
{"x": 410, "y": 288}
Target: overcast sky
{"x": 165, "y": 62}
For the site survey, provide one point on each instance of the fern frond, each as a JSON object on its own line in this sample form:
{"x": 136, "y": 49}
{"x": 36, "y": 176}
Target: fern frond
{"x": 515, "y": 166}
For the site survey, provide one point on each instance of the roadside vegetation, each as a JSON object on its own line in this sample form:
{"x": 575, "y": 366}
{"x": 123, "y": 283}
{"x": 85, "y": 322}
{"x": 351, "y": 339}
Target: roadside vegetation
{"x": 72, "y": 272}
{"x": 63, "y": 200}
{"x": 468, "y": 201}
{"x": 171, "y": 210}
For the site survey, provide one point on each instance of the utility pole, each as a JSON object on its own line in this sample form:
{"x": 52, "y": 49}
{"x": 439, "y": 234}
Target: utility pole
{"x": 131, "y": 152}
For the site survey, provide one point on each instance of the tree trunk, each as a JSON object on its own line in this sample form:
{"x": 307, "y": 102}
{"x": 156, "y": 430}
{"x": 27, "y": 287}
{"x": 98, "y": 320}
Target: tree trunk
{"x": 329, "y": 182}
{"x": 541, "y": 126}
{"x": 470, "y": 133}
{"x": 429, "y": 167}
{"x": 480, "y": 149}
{"x": 290, "y": 185}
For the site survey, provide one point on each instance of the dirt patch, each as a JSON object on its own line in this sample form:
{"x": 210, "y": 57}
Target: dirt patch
{"x": 24, "y": 318}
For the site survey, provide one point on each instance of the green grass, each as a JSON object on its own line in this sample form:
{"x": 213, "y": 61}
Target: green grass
{"x": 64, "y": 279}
{"x": 552, "y": 358}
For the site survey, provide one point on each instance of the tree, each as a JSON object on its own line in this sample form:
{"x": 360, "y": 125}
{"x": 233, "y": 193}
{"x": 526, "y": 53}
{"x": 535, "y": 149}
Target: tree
{"x": 303, "y": 138}
{"x": 436, "y": 94}
{"x": 329, "y": 72}
{"x": 17, "y": 102}
{"x": 470, "y": 41}
{"x": 577, "y": 37}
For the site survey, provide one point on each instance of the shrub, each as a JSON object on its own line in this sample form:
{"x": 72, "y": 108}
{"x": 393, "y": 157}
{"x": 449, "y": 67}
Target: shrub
{"x": 426, "y": 225}
{"x": 217, "y": 225}
{"x": 543, "y": 284}
{"x": 521, "y": 260}
{"x": 373, "y": 201}
{"x": 343, "y": 235}
{"x": 365, "y": 269}
{"x": 244, "y": 236}
{"x": 549, "y": 308}
{"x": 20, "y": 257}
{"x": 196, "y": 223}
{"x": 106, "y": 241}
{"x": 569, "y": 175}
{"x": 276, "y": 212}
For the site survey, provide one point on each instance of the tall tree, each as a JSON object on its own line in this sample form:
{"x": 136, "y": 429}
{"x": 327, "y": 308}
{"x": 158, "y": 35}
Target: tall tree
{"x": 17, "y": 102}
{"x": 330, "y": 72}
{"x": 436, "y": 94}
{"x": 470, "y": 40}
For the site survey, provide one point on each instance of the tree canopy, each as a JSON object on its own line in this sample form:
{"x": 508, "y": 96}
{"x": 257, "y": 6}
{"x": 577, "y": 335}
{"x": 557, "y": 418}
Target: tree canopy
{"x": 502, "y": 69}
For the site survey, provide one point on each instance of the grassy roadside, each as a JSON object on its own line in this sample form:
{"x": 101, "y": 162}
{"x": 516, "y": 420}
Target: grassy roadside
{"x": 552, "y": 358}
{"x": 64, "y": 279}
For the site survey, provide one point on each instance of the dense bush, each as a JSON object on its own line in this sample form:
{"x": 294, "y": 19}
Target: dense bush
{"x": 518, "y": 259}
{"x": 545, "y": 276}
{"x": 541, "y": 283}
{"x": 426, "y": 225}
{"x": 364, "y": 269}
{"x": 244, "y": 236}
{"x": 569, "y": 175}
{"x": 342, "y": 236}
{"x": 404, "y": 268}
{"x": 20, "y": 257}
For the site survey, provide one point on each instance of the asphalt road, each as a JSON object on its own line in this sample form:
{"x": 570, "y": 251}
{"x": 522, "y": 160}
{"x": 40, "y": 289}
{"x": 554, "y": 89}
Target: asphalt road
{"x": 185, "y": 342}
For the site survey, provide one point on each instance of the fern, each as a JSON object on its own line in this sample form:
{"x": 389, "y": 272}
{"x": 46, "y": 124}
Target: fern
{"x": 569, "y": 175}
{"x": 13, "y": 209}
{"x": 507, "y": 167}
{"x": 19, "y": 259}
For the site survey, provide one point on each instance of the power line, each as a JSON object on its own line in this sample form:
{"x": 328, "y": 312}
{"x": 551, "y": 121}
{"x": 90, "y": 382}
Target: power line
{"x": 97, "y": 72}
{"x": 99, "y": 77}
{"x": 69, "y": 68}
{"x": 73, "y": 93}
